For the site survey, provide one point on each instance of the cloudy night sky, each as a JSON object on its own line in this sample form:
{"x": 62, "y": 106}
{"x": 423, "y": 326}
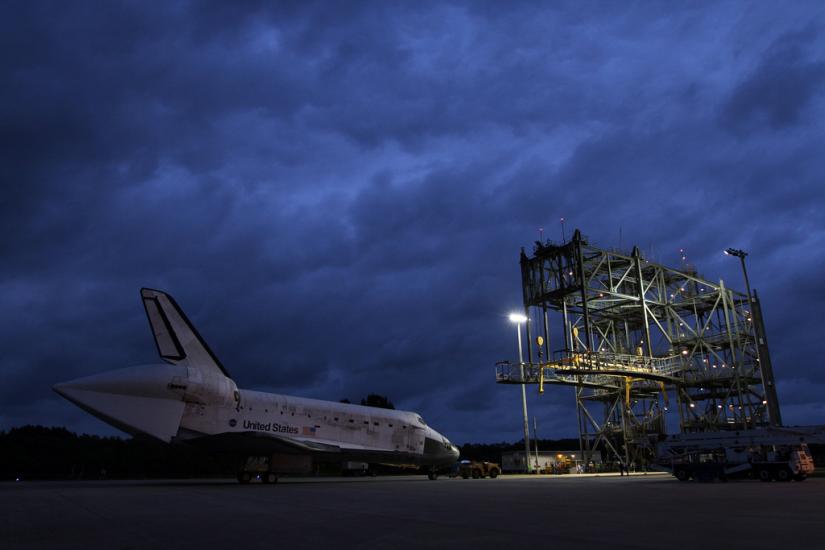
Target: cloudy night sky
{"x": 337, "y": 192}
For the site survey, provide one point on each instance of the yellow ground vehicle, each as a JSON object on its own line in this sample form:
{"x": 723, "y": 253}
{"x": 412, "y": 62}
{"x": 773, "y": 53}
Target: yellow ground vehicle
{"x": 476, "y": 470}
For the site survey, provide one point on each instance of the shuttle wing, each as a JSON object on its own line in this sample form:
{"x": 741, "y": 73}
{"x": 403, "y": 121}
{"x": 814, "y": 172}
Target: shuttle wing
{"x": 176, "y": 338}
{"x": 252, "y": 442}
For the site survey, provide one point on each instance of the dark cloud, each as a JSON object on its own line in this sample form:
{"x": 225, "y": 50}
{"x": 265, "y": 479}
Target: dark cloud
{"x": 337, "y": 194}
{"x": 778, "y": 93}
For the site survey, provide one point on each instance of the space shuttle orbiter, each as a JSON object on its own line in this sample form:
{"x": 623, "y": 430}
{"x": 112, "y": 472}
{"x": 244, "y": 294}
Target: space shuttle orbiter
{"x": 193, "y": 399}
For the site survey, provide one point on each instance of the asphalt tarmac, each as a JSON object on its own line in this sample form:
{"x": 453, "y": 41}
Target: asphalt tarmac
{"x": 559, "y": 512}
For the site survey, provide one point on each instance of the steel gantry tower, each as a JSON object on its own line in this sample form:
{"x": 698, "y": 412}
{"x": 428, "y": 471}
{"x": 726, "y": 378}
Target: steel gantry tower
{"x": 640, "y": 339}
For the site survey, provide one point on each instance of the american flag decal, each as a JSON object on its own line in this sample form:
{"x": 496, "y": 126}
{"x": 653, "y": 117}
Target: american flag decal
{"x": 310, "y": 430}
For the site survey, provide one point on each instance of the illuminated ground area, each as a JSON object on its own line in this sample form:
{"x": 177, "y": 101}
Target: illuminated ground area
{"x": 412, "y": 512}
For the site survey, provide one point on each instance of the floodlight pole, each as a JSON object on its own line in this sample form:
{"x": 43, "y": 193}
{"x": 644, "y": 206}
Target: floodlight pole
{"x": 518, "y": 319}
{"x": 524, "y": 402}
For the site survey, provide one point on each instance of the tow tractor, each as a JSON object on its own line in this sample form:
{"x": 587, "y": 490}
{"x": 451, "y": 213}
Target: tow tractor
{"x": 477, "y": 470}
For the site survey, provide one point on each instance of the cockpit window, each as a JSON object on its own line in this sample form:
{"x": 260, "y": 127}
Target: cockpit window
{"x": 420, "y": 420}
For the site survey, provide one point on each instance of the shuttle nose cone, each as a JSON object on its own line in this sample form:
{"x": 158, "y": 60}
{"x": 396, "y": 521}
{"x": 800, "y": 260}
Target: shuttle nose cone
{"x": 438, "y": 450}
{"x": 135, "y": 400}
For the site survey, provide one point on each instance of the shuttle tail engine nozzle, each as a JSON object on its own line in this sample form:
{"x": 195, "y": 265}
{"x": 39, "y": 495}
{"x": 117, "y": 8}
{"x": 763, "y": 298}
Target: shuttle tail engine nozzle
{"x": 137, "y": 400}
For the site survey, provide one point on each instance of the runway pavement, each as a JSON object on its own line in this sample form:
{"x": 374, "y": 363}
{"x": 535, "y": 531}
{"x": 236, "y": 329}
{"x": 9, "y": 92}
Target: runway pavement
{"x": 582, "y": 512}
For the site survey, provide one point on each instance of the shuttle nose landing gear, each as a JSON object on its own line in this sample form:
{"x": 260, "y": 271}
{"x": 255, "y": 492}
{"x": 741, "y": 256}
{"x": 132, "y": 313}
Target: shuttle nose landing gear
{"x": 432, "y": 474}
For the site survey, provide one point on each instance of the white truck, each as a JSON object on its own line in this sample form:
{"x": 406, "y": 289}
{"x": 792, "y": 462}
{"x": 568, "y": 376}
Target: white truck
{"x": 767, "y": 454}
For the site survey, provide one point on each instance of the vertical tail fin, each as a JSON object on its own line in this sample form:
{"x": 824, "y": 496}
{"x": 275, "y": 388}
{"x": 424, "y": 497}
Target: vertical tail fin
{"x": 176, "y": 338}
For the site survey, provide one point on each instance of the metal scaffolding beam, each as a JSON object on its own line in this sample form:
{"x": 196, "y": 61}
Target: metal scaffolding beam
{"x": 638, "y": 335}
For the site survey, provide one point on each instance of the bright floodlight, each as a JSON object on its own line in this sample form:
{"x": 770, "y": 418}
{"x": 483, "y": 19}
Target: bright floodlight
{"x": 517, "y": 318}
{"x": 736, "y": 252}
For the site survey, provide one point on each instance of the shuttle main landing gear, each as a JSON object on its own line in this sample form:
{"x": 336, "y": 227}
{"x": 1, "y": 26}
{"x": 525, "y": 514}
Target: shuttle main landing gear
{"x": 245, "y": 477}
{"x": 257, "y": 467}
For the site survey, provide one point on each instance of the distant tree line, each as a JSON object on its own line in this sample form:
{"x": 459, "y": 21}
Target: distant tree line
{"x": 38, "y": 452}
{"x": 374, "y": 400}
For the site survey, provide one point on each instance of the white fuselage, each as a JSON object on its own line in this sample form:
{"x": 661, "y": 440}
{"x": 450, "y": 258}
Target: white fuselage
{"x": 176, "y": 403}
{"x": 314, "y": 421}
